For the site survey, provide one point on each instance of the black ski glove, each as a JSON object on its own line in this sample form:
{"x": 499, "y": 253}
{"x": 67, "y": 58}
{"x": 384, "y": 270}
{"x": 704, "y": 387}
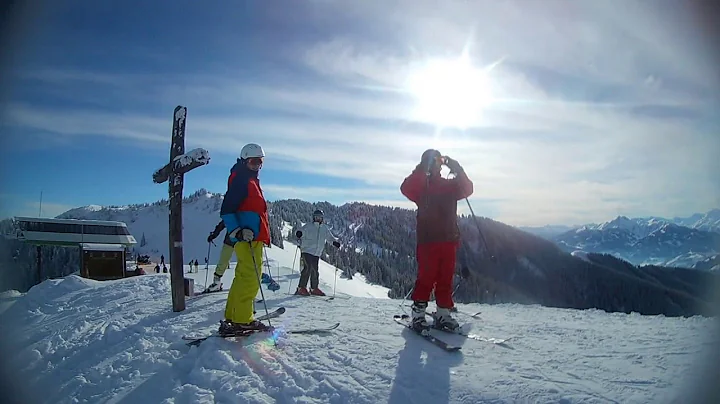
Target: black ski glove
{"x": 210, "y": 238}
{"x": 453, "y": 165}
{"x": 298, "y": 234}
{"x": 336, "y": 244}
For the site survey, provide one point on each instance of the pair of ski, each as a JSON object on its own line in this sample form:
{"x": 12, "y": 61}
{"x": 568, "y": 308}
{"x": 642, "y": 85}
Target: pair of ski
{"x": 246, "y": 333}
{"x": 406, "y": 321}
{"x": 326, "y": 298}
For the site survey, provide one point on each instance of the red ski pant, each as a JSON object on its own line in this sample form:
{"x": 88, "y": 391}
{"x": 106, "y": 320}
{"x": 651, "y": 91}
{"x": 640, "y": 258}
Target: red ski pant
{"x": 436, "y": 268}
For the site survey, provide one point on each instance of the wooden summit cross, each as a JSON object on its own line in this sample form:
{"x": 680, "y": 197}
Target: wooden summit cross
{"x": 173, "y": 172}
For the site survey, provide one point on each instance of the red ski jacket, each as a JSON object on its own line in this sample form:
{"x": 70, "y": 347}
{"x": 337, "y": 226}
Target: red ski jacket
{"x": 436, "y": 198}
{"x": 245, "y": 203}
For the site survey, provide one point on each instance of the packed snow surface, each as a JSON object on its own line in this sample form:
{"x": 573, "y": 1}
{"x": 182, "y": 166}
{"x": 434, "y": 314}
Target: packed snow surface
{"x": 74, "y": 340}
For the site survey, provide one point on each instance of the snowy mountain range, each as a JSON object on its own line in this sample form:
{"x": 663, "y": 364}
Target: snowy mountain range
{"x": 504, "y": 264}
{"x": 548, "y": 231}
{"x": 649, "y": 241}
{"x": 678, "y": 242}
{"x": 709, "y": 221}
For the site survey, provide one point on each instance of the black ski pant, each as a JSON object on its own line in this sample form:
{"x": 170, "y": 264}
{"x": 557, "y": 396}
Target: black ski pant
{"x": 309, "y": 264}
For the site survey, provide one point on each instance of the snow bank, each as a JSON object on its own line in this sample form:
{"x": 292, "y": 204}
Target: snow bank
{"x": 74, "y": 340}
{"x": 10, "y": 294}
{"x": 581, "y": 254}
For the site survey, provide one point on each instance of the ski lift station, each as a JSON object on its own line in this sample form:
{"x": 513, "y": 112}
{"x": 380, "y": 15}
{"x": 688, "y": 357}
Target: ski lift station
{"x": 102, "y": 244}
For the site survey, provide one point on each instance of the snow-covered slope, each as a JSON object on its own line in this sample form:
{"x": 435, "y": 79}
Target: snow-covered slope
{"x": 284, "y": 264}
{"x": 74, "y": 340}
{"x": 580, "y": 254}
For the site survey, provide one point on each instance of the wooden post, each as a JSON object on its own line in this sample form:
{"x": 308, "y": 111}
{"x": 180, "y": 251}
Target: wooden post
{"x": 173, "y": 172}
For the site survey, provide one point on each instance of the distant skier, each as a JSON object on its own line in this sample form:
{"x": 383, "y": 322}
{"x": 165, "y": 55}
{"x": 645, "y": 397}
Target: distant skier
{"x": 196, "y": 265}
{"x": 437, "y": 233}
{"x": 162, "y": 260}
{"x": 313, "y": 236}
{"x": 226, "y": 253}
{"x": 157, "y": 268}
{"x": 244, "y": 212}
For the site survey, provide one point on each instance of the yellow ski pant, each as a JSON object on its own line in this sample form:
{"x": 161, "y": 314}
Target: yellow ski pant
{"x": 239, "y": 308}
{"x": 224, "y": 262}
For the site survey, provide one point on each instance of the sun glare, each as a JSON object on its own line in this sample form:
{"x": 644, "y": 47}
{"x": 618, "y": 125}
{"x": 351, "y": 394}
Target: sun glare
{"x": 450, "y": 93}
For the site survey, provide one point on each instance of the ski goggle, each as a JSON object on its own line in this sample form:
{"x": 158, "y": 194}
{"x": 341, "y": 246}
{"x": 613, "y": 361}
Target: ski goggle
{"x": 255, "y": 161}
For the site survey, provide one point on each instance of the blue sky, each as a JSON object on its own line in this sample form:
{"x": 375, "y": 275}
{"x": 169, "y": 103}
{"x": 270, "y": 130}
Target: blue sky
{"x": 560, "y": 114}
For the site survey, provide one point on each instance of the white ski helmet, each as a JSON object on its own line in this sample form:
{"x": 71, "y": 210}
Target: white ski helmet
{"x": 251, "y": 150}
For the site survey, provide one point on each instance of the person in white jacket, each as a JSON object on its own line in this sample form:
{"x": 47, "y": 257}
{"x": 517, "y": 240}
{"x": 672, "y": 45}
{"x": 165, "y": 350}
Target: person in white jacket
{"x": 312, "y": 236}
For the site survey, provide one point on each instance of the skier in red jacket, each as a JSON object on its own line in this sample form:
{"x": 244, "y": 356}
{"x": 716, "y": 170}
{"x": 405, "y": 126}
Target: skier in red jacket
{"x": 437, "y": 235}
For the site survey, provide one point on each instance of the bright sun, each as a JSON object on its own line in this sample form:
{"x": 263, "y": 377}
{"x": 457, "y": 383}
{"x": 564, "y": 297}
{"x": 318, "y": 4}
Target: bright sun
{"x": 450, "y": 93}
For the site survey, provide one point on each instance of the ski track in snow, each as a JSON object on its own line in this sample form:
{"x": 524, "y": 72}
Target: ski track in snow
{"x": 75, "y": 340}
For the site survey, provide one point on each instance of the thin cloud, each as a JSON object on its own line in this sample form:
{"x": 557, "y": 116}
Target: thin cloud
{"x": 337, "y": 194}
{"x": 595, "y": 114}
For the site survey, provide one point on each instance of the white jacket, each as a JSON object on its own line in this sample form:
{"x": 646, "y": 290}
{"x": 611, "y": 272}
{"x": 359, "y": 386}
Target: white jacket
{"x": 314, "y": 236}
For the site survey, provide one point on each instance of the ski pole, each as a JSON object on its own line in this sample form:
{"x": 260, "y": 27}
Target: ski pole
{"x": 267, "y": 264}
{"x": 402, "y": 304}
{"x": 336, "y": 269}
{"x": 455, "y": 290}
{"x": 464, "y": 275}
{"x": 207, "y": 265}
{"x": 482, "y": 237}
{"x": 262, "y": 294}
{"x": 292, "y": 270}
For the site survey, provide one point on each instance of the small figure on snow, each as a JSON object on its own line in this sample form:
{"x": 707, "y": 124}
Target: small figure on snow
{"x": 244, "y": 212}
{"x": 162, "y": 260}
{"x": 312, "y": 236}
{"x": 196, "y": 265}
{"x": 437, "y": 233}
{"x": 226, "y": 253}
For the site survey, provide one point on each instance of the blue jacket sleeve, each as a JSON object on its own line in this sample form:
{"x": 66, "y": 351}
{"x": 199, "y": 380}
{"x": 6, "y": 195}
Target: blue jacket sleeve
{"x": 236, "y": 193}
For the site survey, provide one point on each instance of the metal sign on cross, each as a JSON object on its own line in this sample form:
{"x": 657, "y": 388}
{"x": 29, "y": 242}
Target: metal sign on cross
{"x": 173, "y": 172}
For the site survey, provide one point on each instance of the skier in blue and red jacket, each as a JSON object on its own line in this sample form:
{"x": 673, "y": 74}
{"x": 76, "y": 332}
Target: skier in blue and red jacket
{"x": 244, "y": 212}
{"x": 437, "y": 235}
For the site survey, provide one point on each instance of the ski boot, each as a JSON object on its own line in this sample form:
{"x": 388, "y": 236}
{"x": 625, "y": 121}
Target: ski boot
{"x": 317, "y": 292}
{"x": 302, "y": 292}
{"x": 274, "y": 286}
{"x": 419, "y": 322}
{"x": 228, "y": 328}
{"x": 444, "y": 321}
{"x": 216, "y": 286}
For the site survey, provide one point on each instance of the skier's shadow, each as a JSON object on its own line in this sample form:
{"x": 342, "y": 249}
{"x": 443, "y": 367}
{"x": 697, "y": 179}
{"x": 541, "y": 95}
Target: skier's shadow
{"x": 422, "y": 380}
